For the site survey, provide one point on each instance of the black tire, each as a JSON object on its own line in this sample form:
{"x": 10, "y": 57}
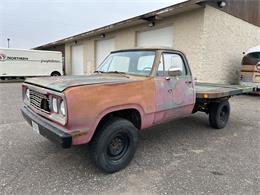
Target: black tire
{"x": 219, "y": 114}
{"x": 114, "y": 145}
{"x": 55, "y": 74}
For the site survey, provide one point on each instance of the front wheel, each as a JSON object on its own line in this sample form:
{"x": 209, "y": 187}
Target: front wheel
{"x": 219, "y": 114}
{"x": 114, "y": 145}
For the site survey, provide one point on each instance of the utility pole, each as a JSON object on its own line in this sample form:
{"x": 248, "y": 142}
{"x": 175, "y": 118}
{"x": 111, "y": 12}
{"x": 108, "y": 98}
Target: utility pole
{"x": 8, "y": 40}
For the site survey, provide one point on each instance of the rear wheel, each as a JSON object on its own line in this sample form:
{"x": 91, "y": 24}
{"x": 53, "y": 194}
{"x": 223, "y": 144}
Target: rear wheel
{"x": 55, "y": 74}
{"x": 219, "y": 114}
{"x": 114, "y": 145}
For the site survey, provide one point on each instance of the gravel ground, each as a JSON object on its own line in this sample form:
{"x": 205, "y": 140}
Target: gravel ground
{"x": 184, "y": 156}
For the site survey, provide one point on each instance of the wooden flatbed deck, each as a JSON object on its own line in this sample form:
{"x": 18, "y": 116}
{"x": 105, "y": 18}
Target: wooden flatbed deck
{"x": 215, "y": 91}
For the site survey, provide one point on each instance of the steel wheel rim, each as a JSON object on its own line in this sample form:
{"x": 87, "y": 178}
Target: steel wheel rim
{"x": 118, "y": 146}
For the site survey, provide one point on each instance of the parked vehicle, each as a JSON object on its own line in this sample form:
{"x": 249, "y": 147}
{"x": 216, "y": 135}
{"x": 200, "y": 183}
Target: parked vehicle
{"x": 16, "y": 63}
{"x": 131, "y": 90}
{"x": 250, "y": 69}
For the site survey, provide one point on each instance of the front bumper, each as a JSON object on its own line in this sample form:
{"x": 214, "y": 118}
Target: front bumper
{"x": 47, "y": 128}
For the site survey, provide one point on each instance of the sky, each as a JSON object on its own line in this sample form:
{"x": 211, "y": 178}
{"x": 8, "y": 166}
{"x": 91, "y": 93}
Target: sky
{"x": 31, "y": 23}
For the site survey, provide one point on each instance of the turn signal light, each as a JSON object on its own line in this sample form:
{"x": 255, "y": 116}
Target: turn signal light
{"x": 205, "y": 95}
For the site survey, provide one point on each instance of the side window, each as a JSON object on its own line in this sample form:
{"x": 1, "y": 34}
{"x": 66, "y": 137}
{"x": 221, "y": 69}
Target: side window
{"x": 171, "y": 60}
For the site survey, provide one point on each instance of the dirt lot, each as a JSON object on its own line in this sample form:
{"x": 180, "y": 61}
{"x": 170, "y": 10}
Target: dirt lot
{"x": 184, "y": 156}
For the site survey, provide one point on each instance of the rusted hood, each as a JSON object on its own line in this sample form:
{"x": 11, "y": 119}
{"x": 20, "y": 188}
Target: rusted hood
{"x": 61, "y": 83}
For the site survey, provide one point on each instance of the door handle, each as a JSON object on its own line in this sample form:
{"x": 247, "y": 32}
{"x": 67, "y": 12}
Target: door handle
{"x": 188, "y": 82}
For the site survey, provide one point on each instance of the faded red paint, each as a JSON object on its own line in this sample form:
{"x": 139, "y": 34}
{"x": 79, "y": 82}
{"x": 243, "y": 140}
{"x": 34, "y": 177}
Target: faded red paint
{"x": 88, "y": 104}
{"x": 90, "y": 98}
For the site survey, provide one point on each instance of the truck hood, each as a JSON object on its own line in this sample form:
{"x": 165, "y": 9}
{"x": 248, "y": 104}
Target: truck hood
{"x": 61, "y": 83}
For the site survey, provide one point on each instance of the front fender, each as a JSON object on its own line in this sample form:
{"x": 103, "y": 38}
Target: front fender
{"x": 114, "y": 109}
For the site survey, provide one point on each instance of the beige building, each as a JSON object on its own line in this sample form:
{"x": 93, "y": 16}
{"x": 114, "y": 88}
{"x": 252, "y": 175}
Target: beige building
{"x": 212, "y": 34}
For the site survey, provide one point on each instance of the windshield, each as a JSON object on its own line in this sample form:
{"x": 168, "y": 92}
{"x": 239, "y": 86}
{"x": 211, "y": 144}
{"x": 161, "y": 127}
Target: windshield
{"x": 129, "y": 62}
{"x": 251, "y": 58}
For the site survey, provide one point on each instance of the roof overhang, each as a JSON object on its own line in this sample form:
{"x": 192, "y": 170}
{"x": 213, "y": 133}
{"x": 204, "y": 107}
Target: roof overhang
{"x": 141, "y": 19}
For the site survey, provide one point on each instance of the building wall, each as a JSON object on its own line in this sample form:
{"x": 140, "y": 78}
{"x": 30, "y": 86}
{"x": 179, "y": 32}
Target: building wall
{"x": 225, "y": 38}
{"x": 187, "y": 30}
{"x": 212, "y": 40}
{"x": 188, "y": 38}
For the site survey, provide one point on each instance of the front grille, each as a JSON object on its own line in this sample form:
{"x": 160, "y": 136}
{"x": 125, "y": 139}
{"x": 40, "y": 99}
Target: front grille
{"x": 39, "y": 101}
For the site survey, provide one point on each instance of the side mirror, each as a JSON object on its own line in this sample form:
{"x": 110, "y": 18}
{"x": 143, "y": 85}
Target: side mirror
{"x": 258, "y": 65}
{"x": 174, "y": 72}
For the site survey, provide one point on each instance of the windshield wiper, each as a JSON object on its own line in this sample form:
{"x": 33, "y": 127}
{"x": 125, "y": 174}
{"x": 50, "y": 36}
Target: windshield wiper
{"x": 98, "y": 71}
{"x": 117, "y": 72}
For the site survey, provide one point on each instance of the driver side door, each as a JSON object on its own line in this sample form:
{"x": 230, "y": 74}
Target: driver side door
{"x": 175, "y": 95}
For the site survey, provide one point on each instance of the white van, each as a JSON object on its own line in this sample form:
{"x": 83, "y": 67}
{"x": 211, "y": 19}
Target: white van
{"x": 29, "y": 63}
{"x": 250, "y": 69}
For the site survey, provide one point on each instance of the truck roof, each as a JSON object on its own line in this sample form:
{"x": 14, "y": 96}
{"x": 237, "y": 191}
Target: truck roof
{"x": 30, "y": 50}
{"x": 253, "y": 49}
{"x": 147, "y": 48}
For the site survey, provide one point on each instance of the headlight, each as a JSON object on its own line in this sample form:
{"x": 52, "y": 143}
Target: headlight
{"x": 55, "y": 104}
{"x": 27, "y": 95}
{"x": 62, "y": 108}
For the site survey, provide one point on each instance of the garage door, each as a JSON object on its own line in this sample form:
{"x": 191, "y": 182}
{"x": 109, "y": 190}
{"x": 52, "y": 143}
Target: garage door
{"x": 77, "y": 60}
{"x": 103, "y": 48}
{"x": 157, "y": 37}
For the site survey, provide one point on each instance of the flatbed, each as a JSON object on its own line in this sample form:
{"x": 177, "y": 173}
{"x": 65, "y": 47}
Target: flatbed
{"x": 212, "y": 99}
{"x": 216, "y": 91}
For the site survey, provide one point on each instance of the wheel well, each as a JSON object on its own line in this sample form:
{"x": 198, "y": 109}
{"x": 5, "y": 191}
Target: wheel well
{"x": 55, "y": 73}
{"x": 132, "y": 115}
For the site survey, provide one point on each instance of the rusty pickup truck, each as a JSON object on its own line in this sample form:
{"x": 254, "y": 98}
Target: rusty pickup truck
{"x": 131, "y": 90}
